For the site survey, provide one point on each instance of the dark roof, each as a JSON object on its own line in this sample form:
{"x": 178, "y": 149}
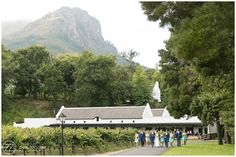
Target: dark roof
{"x": 157, "y": 112}
{"x": 128, "y": 112}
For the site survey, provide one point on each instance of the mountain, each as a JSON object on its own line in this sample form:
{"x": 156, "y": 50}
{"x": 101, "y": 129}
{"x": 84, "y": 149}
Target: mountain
{"x": 65, "y": 30}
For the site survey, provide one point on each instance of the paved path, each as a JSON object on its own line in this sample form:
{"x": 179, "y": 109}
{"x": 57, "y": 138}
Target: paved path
{"x": 148, "y": 150}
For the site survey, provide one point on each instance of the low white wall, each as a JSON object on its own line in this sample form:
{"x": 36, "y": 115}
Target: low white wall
{"x": 35, "y": 122}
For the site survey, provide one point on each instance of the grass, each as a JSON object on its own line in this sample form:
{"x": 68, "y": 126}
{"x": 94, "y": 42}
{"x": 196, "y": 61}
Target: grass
{"x": 15, "y": 110}
{"x": 199, "y": 147}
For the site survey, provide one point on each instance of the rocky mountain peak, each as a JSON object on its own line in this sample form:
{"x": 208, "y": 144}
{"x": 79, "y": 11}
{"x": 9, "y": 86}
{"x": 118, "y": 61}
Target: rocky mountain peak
{"x": 64, "y": 30}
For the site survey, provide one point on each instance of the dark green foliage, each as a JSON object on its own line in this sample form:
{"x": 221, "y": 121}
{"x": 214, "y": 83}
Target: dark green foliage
{"x": 52, "y": 81}
{"x": 28, "y": 61}
{"x": 94, "y": 76}
{"x": 120, "y": 86}
{"x": 66, "y": 64}
{"x": 198, "y": 65}
{"x": 7, "y": 69}
{"x": 169, "y": 13}
{"x": 141, "y": 88}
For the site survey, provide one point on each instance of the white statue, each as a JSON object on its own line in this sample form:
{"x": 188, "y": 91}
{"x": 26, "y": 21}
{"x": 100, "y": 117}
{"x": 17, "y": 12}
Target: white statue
{"x": 156, "y": 92}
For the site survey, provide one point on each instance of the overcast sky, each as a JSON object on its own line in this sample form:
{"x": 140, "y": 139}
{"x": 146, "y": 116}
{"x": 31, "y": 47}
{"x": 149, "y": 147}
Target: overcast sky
{"x": 123, "y": 22}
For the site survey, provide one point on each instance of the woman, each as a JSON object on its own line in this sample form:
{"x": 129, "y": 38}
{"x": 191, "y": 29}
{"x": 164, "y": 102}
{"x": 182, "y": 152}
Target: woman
{"x": 136, "y": 139}
{"x": 162, "y": 138}
{"x": 147, "y": 137}
{"x": 156, "y": 141}
{"x": 171, "y": 139}
{"x": 184, "y": 138}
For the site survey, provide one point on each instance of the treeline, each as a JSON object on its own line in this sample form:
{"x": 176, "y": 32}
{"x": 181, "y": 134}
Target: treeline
{"x": 78, "y": 80}
{"x": 50, "y": 138}
{"x": 198, "y": 62}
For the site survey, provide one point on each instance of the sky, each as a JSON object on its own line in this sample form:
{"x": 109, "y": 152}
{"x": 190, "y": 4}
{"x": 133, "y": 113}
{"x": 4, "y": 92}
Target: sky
{"x": 123, "y": 23}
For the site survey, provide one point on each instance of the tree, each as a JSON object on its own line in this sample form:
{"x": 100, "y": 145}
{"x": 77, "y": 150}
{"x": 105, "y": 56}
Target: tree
{"x": 203, "y": 37}
{"x": 129, "y": 56}
{"x": 52, "y": 81}
{"x": 120, "y": 86}
{"x": 28, "y": 61}
{"x": 94, "y": 76}
{"x": 7, "y": 68}
{"x": 141, "y": 88}
{"x": 66, "y": 64}
{"x": 179, "y": 83}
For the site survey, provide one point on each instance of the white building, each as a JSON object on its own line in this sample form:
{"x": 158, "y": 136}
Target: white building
{"x": 125, "y": 116}
{"x": 122, "y": 116}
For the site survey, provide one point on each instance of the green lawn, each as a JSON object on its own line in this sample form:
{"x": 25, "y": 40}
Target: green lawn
{"x": 202, "y": 148}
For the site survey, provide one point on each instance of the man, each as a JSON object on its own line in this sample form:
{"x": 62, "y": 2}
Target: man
{"x": 142, "y": 138}
{"x": 166, "y": 138}
{"x": 178, "y": 136}
{"x": 152, "y": 138}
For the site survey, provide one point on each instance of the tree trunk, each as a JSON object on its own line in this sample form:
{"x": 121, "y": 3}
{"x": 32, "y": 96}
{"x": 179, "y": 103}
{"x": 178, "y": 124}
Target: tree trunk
{"x": 24, "y": 152}
{"x": 219, "y": 132}
{"x": 44, "y": 151}
{"x": 45, "y": 95}
{"x": 227, "y": 137}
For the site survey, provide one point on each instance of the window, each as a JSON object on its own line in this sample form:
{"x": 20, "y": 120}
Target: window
{"x": 74, "y": 121}
{"x": 110, "y": 121}
{"x": 122, "y": 121}
{"x": 97, "y": 119}
{"x": 133, "y": 121}
{"x": 84, "y": 121}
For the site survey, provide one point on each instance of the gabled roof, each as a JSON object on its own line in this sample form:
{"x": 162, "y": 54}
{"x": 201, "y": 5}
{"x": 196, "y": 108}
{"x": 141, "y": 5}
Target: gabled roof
{"x": 127, "y": 112}
{"x": 157, "y": 112}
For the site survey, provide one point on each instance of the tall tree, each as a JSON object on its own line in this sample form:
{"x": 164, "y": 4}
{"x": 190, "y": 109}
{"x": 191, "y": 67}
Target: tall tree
{"x": 203, "y": 37}
{"x": 141, "y": 88}
{"x": 121, "y": 83}
{"x": 67, "y": 65}
{"x": 94, "y": 76}
{"x": 8, "y": 66}
{"x": 29, "y": 60}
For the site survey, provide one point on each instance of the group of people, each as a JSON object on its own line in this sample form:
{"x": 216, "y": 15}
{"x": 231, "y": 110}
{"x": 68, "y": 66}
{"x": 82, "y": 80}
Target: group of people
{"x": 161, "y": 138}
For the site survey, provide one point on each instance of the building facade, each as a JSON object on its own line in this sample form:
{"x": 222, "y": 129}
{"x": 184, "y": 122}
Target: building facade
{"x": 142, "y": 117}
{"x": 125, "y": 116}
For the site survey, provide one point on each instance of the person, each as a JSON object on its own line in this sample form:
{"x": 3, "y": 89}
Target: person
{"x": 152, "y": 138}
{"x": 161, "y": 138}
{"x": 171, "y": 140}
{"x": 147, "y": 137}
{"x": 184, "y": 138}
{"x": 136, "y": 139}
{"x": 178, "y": 136}
{"x": 156, "y": 141}
{"x": 142, "y": 138}
{"x": 166, "y": 138}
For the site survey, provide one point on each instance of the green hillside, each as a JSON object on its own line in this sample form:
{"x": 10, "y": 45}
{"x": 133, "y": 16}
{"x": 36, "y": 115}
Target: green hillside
{"x": 15, "y": 110}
